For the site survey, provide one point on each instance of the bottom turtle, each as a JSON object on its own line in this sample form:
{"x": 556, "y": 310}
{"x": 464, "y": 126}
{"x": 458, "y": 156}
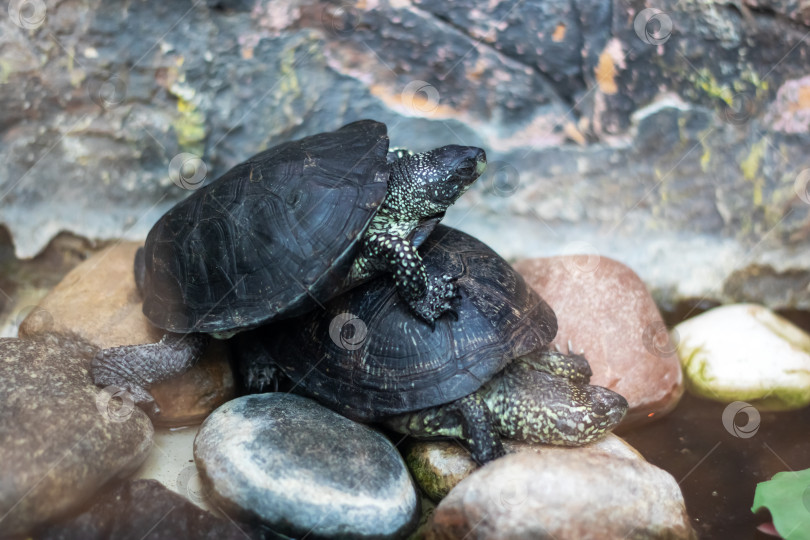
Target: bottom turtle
{"x": 485, "y": 374}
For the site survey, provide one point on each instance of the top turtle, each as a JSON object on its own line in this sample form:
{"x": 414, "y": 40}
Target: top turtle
{"x": 286, "y": 230}
{"x": 298, "y": 224}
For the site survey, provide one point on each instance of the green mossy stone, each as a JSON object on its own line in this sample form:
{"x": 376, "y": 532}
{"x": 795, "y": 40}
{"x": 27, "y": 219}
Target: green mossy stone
{"x": 745, "y": 352}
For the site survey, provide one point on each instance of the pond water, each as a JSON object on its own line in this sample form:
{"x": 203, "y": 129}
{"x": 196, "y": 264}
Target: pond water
{"x": 718, "y": 472}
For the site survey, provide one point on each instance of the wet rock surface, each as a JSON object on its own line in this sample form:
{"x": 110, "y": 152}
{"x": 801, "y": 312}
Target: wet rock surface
{"x": 608, "y": 116}
{"x": 142, "y": 509}
{"x": 748, "y": 353}
{"x": 438, "y": 466}
{"x": 305, "y": 470}
{"x": 63, "y": 438}
{"x": 556, "y": 495}
{"x": 171, "y": 462}
{"x": 98, "y": 301}
{"x": 603, "y": 307}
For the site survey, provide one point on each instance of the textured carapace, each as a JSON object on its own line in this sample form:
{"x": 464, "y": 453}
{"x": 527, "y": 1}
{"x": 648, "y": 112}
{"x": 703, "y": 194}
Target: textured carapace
{"x": 399, "y": 363}
{"x": 274, "y": 236}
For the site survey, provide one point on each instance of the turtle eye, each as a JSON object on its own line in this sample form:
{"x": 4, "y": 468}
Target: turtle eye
{"x": 601, "y": 408}
{"x": 466, "y": 168}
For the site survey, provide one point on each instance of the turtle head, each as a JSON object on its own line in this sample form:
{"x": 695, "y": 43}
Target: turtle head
{"x": 537, "y": 406}
{"x": 425, "y": 185}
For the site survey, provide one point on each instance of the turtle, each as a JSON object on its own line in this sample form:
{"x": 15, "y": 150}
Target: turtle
{"x": 490, "y": 372}
{"x": 283, "y": 232}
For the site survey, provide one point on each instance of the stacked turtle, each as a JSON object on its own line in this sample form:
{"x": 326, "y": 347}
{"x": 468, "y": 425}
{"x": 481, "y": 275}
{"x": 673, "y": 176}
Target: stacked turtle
{"x": 302, "y": 234}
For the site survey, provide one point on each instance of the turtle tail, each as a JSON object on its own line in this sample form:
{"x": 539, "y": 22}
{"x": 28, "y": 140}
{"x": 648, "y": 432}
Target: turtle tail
{"x": 140, "y": 269}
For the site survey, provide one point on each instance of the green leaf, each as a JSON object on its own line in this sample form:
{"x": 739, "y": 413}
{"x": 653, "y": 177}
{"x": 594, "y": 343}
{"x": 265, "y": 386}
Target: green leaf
{"x": 787, "y": 497}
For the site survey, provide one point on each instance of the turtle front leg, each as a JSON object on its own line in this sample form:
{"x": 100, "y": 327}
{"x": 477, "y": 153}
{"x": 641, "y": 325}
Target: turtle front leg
{"x": 428, "y": 296}
{"x": 467, "y": 419}
{"x": 135, "y": 368}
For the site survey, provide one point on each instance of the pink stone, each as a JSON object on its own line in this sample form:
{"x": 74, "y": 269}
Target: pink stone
{"x": 604, "y": 308}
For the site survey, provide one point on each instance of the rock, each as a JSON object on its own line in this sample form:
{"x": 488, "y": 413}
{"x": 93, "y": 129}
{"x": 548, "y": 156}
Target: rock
{"x": 26, "y": 282}
{"x": 606, "y": 117}
{"x": 790, "y": 110}
{"x": 745, "y": 352}
{"x": 98, "y": 301}
{"x": 793, "y": 9}
{"x": 146, "y": 508}
{"x": 438, "y": 466}
{"x": 63, "y": 438}
{"x": 573, "y": 493}
{"x": 604, "y": 308}
{"x": 758, "y": 283}
{"x": 305, "y": 470}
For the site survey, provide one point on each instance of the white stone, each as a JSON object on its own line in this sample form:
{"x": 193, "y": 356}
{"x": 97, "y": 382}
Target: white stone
{"x": 745, "y": 352}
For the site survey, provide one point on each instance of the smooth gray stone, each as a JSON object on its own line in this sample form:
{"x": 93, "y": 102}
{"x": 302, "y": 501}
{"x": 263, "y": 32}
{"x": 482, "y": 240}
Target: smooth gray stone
{"x": 305, "y": 470}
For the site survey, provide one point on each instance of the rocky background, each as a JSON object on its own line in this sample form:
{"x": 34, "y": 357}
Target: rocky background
{"x": 671, "y": 136}
{"x": 665, "y": 141}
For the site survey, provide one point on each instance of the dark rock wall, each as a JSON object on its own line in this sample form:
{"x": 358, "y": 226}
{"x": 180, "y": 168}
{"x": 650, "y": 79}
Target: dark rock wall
{"x": 626, "y": 119}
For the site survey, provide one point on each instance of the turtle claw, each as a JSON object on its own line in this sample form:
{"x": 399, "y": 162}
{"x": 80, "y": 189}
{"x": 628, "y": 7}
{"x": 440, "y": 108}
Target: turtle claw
{"x": 437, "y": 299}
{"x": 151, "y": 408}
{"x": 261, "y": 379}
{"x": 571, "y": 349}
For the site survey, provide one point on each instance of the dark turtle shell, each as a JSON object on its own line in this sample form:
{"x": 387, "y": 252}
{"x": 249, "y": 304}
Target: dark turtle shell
{"x": 368, "y": 357}
{"x": 273, "y": 237}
